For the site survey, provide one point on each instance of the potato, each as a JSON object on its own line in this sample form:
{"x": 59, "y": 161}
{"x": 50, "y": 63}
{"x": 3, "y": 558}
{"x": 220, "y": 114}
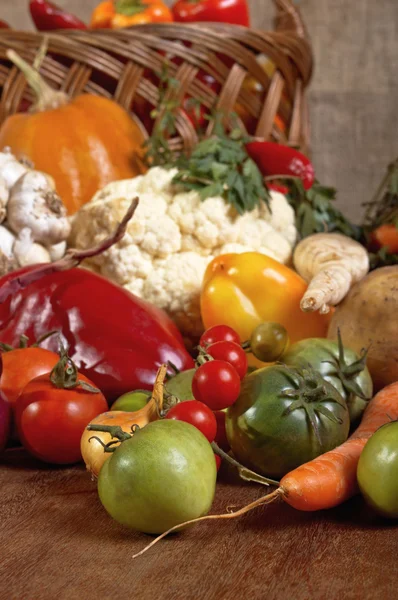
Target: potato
{"x": 368, "y": 318}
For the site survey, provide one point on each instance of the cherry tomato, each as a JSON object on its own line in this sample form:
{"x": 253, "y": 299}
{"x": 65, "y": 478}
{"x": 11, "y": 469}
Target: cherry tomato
{"x": 218, "y": 461}
{"x": 221, "y": 437}
{"x": 269, "y": 341}
{"x": 197, "y": 414}
{"x": 21, "y": 366}
{"x": 219, "y": 333}
{"x": 216, "y": 384}
{"x": 51, "y": 420}
{"x": 232, "y": 353}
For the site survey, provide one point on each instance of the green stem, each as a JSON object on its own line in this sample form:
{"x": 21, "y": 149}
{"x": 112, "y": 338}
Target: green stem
{"x": 244, "y": 473}
{"x": 47, "y": 97}
{"x": 115, "y": 431}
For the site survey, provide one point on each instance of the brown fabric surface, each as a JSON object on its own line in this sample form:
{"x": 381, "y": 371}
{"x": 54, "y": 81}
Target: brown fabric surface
{"x": 354, "y": 94}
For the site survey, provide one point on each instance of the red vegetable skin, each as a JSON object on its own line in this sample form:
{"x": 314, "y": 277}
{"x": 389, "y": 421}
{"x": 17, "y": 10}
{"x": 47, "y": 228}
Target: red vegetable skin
{"x": 219, "y": 333}
{"x": 48, "y": 17}
{"x": 4, "y": 25}
{"x": 221, "y": 11}
{"x": 232, "y": 353}
{"x": 21, "y": 366}
{"x": 221, "y": 437}
{"x": 218, "y": 461}
{"x": 5, "y": 416}
{"x": 115, "y": 339}
{"x": 216, "y": 384}
{"x": 197, "y": 414}
{"x": 51, "y": 420}
{"x": 277, "y": 160}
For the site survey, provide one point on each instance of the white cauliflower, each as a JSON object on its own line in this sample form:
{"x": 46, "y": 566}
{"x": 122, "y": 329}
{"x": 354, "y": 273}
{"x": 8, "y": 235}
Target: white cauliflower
{"x": 173, "y": 237}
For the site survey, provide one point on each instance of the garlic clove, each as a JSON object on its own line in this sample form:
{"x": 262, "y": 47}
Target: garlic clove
{"x": 27, "y": 252}
{"x": 34, "y": 204}
{"x": 7, "y": 240}
{"x": 10, "y": 168}
{"x": 4, "y": 195}
{"x": 57, "y": 251}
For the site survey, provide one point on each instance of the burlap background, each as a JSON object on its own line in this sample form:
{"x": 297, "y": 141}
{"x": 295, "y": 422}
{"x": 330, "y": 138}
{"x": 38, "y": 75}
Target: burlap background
{"x": 354, "y": 95}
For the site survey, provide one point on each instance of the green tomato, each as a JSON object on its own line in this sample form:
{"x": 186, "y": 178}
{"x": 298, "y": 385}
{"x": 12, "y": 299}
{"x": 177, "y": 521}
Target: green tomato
{"x": 378, "y": 471}
{"x": 340, "y": 366}
{"x": 269, "y": 341}
{"x": 162, "y": 476}
{"x": 180, "y": 386}
{"x": 132, "y": 401}
{"x": 283, "y": 418}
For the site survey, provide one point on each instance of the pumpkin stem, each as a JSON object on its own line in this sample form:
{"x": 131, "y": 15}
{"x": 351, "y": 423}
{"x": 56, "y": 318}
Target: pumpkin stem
{"x": 47, "y": 97}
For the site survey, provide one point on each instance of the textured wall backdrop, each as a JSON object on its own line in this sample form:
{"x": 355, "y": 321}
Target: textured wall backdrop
{"x": 354, "y": 94}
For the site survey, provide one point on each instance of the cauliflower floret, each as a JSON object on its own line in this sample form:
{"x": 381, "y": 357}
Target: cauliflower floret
{"x": 173, "y": 237}
{"x": 211, "y": 222}
{"x": 174, "y": 285}
{"x": 281, "y": 218}
{"x": 157, "y": 181}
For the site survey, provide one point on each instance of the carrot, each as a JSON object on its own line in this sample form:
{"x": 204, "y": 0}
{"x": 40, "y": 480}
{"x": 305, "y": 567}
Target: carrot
{"x": 331, "y": 478}
{"x": 324, "y": 482}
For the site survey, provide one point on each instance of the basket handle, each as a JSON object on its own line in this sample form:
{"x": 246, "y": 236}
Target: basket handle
{"x": 289, "y": 18}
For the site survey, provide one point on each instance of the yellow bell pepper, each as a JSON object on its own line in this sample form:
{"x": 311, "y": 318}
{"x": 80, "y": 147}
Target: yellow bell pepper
{"x": 244, "y": 290}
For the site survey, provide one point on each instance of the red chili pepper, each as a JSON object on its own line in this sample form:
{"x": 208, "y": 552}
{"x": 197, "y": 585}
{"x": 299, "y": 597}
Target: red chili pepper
{"x": 281, "y": 161}
{"x": 4, "y": 25}
{"x": 276, "y": 187}
{"x": 221, "y": 11}
{"x": 48, "y": 17}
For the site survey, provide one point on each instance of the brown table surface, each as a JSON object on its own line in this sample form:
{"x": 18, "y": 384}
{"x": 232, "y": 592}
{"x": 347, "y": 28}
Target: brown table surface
{"x": 57, "y": 543}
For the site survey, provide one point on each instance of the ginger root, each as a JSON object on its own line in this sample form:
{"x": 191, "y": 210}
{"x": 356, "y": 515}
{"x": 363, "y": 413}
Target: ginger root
{"x": 331, "y": 263}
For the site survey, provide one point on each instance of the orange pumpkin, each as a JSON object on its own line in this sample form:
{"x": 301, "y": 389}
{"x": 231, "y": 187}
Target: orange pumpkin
{"x": 84, "y": 143}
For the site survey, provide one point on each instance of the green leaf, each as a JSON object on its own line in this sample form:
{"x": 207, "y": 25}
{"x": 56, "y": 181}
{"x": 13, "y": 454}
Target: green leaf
{"x": 219, "y": 171}
{"x": 211, "y": 191}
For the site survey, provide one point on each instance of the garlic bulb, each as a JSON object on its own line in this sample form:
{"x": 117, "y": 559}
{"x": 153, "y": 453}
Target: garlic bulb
{"x": 7, "y": 264}
{"x": 34, "y": 204}
{"x": 4, "y": 195}
{"x": 57, "y": 251}
{"x": 27, "y": 252}
{"x": 11, "y": 168}
{"x": 7, "y": 240}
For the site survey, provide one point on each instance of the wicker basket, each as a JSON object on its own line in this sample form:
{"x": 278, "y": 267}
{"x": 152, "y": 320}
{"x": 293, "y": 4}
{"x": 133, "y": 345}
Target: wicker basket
{"x": 121, "y": 65}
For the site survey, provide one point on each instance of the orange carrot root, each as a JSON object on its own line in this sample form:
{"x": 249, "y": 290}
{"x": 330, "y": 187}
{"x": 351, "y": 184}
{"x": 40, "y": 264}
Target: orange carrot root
{"x": 268, "y": 499}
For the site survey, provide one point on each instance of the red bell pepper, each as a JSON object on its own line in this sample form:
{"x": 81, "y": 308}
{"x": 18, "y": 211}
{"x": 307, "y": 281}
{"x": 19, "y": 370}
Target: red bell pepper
{"x": 4, "y": 25}
{"x": 279, "y": 161}
{"x": 115, "y": 339}
{"x": 48, "y": 17}
{"x": 221, "y": 11}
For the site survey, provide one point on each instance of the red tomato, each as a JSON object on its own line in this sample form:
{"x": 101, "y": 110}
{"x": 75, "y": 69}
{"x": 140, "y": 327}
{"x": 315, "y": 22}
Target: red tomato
{"x": 219, "y": 333}
{"x": 197, "y": 414}
{"x": 216, "y": 384}
{"x": 221, "y": 437}
{"x": 51, "y": 420}
{"x": 21, "y": 366}
{"x": 232, "y": 353}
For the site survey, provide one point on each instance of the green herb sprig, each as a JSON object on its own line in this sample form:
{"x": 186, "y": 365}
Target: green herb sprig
{"x": 316, "y": 213}
{"x": 221, "y": 166}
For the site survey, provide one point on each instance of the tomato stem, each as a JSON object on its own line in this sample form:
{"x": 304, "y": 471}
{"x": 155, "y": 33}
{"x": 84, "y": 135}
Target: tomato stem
{"x": 65, "y": 374}
{"x": 244, "y": 473}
